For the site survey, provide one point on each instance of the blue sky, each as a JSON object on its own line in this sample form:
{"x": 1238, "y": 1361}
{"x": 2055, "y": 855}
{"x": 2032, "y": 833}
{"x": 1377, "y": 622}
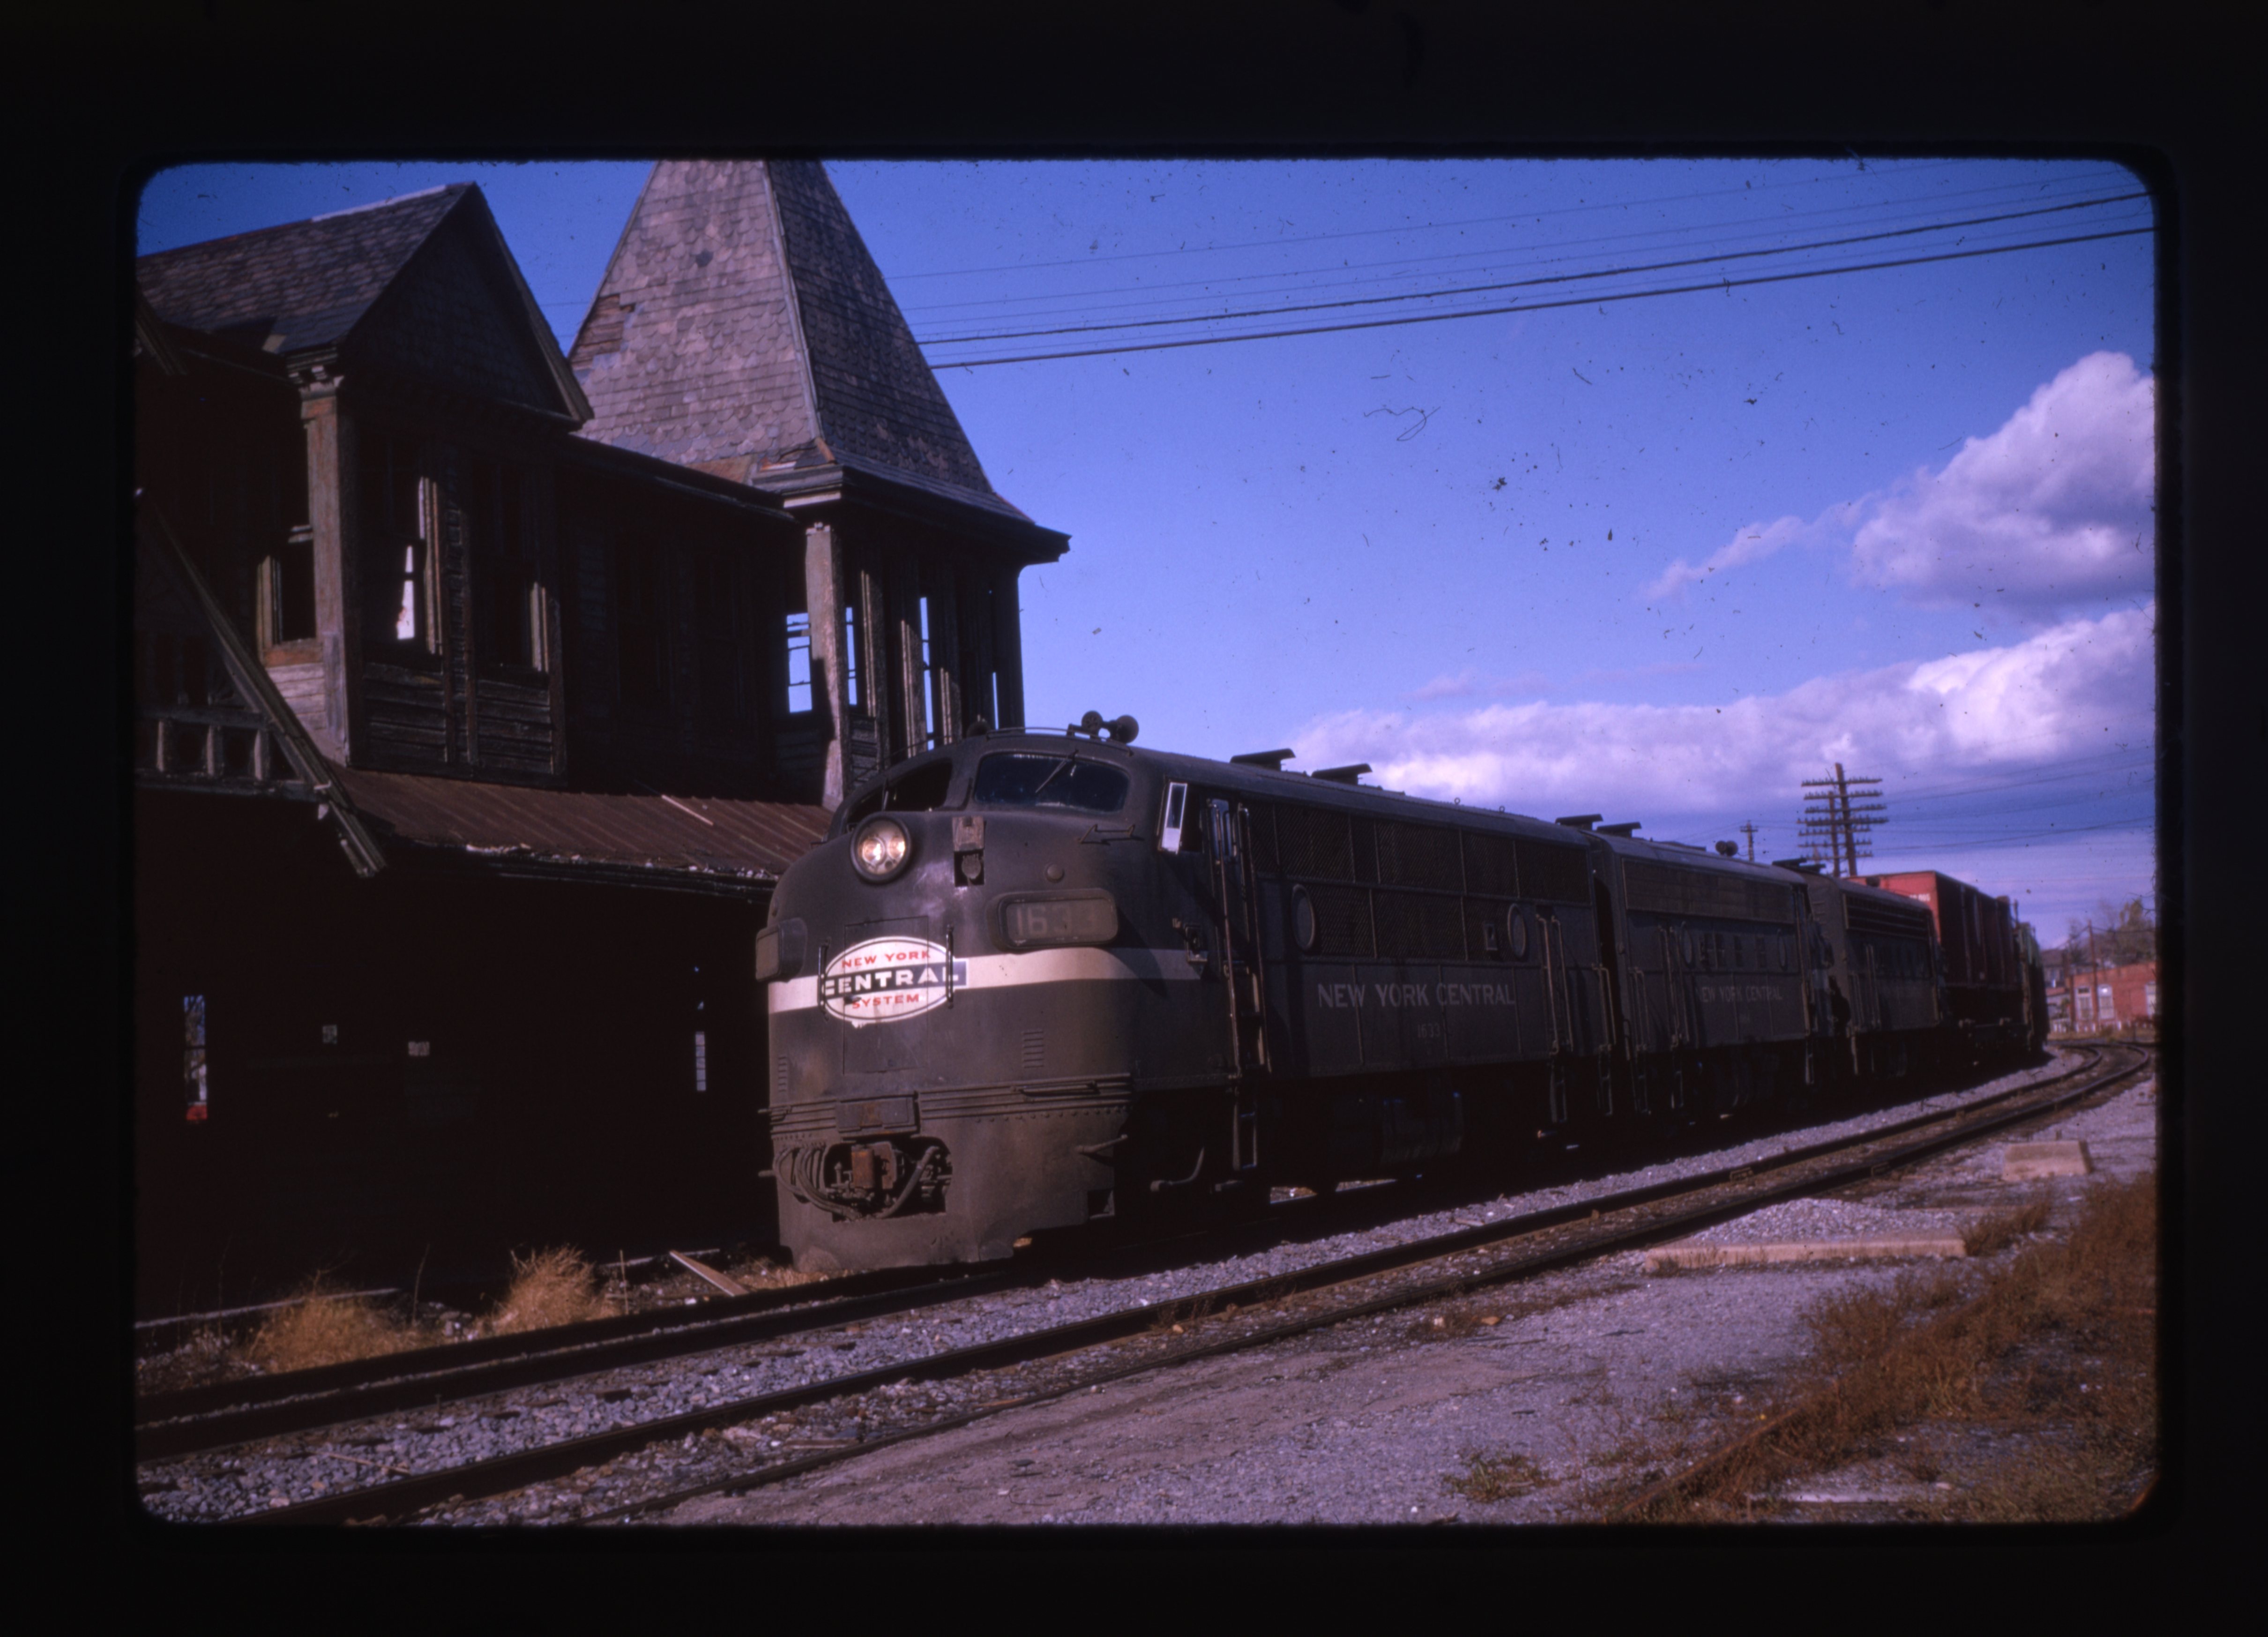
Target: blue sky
{"x": 1657, "y": 555}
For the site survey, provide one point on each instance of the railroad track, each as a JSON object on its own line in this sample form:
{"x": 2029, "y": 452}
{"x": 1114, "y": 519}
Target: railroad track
{"x": 1148, "y": 1335}
{"x": 190, "y": 1420}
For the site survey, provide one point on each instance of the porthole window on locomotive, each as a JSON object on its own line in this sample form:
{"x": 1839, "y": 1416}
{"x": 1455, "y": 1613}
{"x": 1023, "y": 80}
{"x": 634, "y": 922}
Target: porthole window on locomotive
{"x": 1516, "y": 930}
{"x": 1026, "y": 780}
{"x": 1303, "y": 919}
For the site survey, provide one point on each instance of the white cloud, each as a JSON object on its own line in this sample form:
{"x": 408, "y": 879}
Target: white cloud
{"x": 1469, "y": 682}
{"x": 2053, "y": 508}
{"x": 1751, "y": 544}
{"x": 2050, "y": 697}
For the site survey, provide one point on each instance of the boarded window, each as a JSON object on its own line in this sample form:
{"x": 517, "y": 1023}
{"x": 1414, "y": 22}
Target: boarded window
{"x": 640, "y": 633}
{"x": 717, "y": 619}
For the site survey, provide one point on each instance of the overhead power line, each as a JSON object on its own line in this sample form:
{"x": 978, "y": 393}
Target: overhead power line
{"x": 1476, "y": 221}
{"x": 1666, "y": 237}
{"x": 1594, "y": 298}
{"x": 1542, "y": 279}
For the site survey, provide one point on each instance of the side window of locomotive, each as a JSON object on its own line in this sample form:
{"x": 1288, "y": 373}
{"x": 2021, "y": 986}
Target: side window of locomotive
{"x": 921, "y": 791}
{"x": 1023, "y": 780}
{"x": 1169, "y": 821}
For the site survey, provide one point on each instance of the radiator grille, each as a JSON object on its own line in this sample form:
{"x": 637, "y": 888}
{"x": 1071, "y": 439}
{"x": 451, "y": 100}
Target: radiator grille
{"x": 1313, "y": 842}
{"x": 1342, "y": 920}
{"x": 1667, "y": 889}
{"x": 1489, "y": 866}
{"x": 1419, "y": 855}
{"x": 1561, "y": 875}
{"x": 1414, "y": 925}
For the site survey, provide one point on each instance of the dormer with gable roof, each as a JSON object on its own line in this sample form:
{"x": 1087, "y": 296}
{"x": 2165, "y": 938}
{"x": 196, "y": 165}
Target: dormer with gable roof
{"x": 743, "y": 330}
{"x": 365, "y": 447}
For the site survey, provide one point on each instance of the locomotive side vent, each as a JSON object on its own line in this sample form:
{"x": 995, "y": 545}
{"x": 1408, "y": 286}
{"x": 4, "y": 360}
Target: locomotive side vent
{"x": 1035, "y": 1051}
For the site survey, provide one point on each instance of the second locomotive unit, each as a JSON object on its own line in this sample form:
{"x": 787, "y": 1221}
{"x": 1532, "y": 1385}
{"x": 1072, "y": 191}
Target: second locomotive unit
{"x": 1030, "y": 981}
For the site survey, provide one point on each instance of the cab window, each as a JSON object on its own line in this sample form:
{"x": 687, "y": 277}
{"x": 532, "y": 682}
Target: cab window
{"x": 1028, "y": 780}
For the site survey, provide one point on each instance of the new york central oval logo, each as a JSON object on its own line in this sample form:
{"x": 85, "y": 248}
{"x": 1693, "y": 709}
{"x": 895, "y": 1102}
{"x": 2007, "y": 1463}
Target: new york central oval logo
{"x": 884, "y": 979}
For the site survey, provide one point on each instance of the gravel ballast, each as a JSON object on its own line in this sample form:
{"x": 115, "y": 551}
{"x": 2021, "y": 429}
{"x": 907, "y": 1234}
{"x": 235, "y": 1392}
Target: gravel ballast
{"x": 232, "y": 1483}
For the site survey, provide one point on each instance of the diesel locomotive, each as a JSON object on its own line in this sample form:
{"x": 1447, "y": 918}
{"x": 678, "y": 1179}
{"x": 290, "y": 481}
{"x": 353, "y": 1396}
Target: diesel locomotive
{"x": 1031, "y": 981}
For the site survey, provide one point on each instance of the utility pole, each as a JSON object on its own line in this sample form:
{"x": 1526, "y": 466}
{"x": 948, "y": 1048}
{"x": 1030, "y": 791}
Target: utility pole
{"x": 1749, "y": 830}
{"x": 2093, "y": 974}
{"x": 1832, "y": 820}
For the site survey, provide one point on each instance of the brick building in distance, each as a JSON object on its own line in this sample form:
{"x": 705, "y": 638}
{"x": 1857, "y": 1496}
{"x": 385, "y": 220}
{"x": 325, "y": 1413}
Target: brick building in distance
{"x": 482, "y": 695}
{"x": 2089, "y": 998}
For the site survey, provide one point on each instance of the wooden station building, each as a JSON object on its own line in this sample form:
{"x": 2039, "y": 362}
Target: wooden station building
{"x": 482, "y": 694}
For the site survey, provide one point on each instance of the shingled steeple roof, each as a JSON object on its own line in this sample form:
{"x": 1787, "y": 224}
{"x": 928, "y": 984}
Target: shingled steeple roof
{"x": 743, "y": 328}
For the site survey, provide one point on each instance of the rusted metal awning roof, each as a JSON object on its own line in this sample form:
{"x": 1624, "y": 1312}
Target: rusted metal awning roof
{"x": 684, "y": 840}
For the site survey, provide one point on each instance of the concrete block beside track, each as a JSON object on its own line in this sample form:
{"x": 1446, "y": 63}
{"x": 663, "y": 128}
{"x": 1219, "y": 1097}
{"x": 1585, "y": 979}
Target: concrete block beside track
{"x": 1874, "y": 1248}
{"x": 2026, "y": 1161}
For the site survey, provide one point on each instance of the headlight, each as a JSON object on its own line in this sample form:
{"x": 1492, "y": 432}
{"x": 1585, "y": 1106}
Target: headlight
{"x": 881, "y": 849}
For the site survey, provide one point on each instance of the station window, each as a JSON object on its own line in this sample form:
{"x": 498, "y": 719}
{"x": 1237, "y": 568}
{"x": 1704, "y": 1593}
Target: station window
{"x": 925, "y": 684}
{"x": 287, "y": 591}
{"x": 850, "y": 656}
{"x": 798, "y": 662}
{"x": 504, "y": 558}
{"x": 193, "y": 1055}
{"x": 393, "y": 503}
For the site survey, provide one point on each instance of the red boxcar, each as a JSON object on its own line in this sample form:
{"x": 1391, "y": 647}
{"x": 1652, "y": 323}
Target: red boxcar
{"x": 1991, "y": 966}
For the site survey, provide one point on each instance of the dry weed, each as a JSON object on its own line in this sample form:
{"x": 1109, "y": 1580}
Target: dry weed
{"x": 2003, "y": 1229}
{"x": 1498, "y": 1478}
{"x": 2059, "y": 1339}
{"x": 321, "y": 1327}
{"x": 548, "y": 1288}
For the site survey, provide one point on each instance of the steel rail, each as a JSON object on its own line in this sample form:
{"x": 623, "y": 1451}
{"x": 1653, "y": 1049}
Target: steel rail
{"x": 500, "y": 1474}
{"x": 1584, "y": 1248}
{"x": 192, "y": 1420}
{"x": 188, "y": 1420}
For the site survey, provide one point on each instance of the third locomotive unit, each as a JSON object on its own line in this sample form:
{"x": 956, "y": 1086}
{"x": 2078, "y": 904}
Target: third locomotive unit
{"x": 1030, "y": 981}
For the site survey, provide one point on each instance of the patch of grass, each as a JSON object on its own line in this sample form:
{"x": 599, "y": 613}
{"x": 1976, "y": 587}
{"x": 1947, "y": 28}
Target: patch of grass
{"x": 548, "y": 1288}
{"x": 2058, "y": 1346}
{"x": 2003, "y": 1229}
{"x": 1498, "y": 1478}
{"x": 322, "y": 1327}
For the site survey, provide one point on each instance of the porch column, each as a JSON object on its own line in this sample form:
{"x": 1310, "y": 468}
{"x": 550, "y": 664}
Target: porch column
{"x": 822, "y": 596}
{"x": 333, "y": 513}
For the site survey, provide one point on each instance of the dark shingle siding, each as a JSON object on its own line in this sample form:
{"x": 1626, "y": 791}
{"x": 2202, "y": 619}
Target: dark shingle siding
{"x": 308, "y": 280}
{"x": 701, "y": 363}
{"x": 688, "y": 360}
{"x": 440, "y": 322}
{"x": 880, "y": 404}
